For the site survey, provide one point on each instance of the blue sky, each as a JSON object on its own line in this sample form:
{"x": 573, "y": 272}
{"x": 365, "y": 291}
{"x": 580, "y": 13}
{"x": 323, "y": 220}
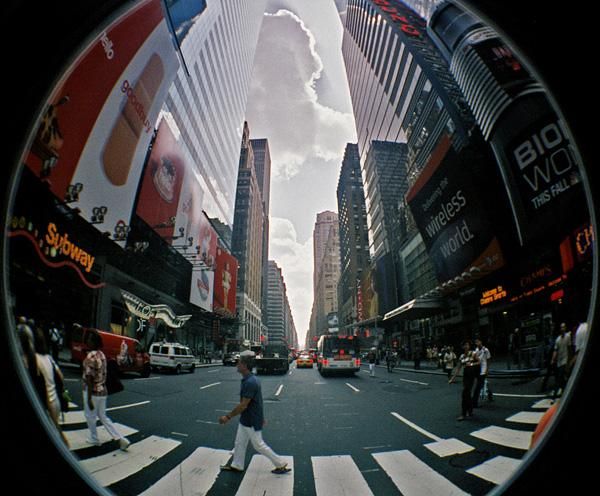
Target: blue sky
{"x": 299, "y": 100}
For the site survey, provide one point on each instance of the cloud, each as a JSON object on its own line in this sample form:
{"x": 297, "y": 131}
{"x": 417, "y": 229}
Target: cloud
{"x": 296, "y": 262}
{"x": 283, "y": 103}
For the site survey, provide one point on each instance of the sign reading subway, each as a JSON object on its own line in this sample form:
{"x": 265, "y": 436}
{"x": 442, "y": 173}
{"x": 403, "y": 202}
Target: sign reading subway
{"x": 451, "y": 217}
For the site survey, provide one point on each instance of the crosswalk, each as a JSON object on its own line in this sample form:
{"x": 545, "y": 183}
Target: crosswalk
{"x": 343, "y": 475}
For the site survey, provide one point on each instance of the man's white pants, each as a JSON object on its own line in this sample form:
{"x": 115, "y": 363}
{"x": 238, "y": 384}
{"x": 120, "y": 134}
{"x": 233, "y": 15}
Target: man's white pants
{"x": 245, "y": 434}
{"x": 372, "y": 369}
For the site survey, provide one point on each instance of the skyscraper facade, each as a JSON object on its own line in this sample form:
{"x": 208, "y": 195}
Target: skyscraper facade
{"x": 326, "y": 274}
{"x": 247, "y": 244}
{"x": 353, "y": 233}
{"x": 262, "y": 167}
{"x": 279, "y": 319}
{"x": 206, "y": 103}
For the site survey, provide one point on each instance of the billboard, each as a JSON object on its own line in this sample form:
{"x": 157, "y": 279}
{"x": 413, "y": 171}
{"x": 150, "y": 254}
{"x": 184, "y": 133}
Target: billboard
{"x": 540, "y": 169}
{"x": 92, "y": 142}
{"x": 225, "y": 282}
{"x": 204, "y": 242}
{"x": 158, "y": 197}
{"x": 447, "y": 208}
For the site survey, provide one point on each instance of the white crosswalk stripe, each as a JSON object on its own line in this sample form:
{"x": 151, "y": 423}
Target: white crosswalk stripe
{"x": 414, "y": 477}
{"x": 194, "y": 476}
{"x": 497, "y": 470}
{"x": 77, "y": 438}
{"x": 259, "y": 481}
{"x": 338, "y": 476}
{"x": 510, "y": 438}
{"x": 118, "y": 465}
{"x": 532, "y": 418}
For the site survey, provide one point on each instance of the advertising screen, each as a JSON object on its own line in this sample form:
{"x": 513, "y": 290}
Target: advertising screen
{"x": 160, "y": 188}
{"x": 102, "y": 117}
{"x": 225, "y": 282}
{"x": 447, "y": 208}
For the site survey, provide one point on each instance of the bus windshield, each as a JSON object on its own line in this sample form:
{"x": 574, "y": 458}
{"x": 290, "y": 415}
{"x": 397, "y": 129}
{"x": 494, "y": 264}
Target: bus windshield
{"x": 330, "y": 346}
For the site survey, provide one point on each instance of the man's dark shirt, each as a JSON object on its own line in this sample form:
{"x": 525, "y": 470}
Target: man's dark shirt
{"x": 253, "y": 415}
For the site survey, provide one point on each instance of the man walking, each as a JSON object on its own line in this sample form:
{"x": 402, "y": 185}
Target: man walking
{"x": 250, "y": 409}
{"x": 560, "y": 360}
{"x": 483, "y": 355}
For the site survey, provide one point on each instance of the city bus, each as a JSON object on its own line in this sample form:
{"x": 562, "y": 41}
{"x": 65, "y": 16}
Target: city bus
{"x": 337, "y": 354}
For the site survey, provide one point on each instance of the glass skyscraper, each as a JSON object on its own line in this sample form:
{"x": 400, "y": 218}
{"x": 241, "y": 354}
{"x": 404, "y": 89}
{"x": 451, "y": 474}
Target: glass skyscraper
{"x": 206, "y": 103}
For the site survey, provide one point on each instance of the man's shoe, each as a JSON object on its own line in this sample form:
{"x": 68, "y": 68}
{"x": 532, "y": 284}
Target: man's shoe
{"x": 229, "y": 468}
{"x": 124, "y": 444}
{"x": 92, "y": 442}
{"x": 281, "y": 470}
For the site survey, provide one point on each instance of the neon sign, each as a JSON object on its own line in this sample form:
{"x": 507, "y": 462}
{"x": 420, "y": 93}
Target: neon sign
{"x": 396, "y": 16}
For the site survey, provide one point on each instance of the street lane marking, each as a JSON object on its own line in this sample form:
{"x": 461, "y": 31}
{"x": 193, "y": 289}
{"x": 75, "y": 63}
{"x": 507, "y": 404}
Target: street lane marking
{"x": 377, "y": 447}
{"x": 131, "y": 405}
{"x": 413, "y": 477}
{"x": 147, "y": 378}
{"x": 352, "y": 387}
{"x": 77, "y": 438}
{"x": 259, "y": 481}
{"x": 279, "y": 390}
{"x": 180, "y": 434}
{"x": 415, "y": 382}
{"x": 78, "y": 416}
{"x": 416, "y": 427}
{"x": 505, "y": 395}
{"x": 117, "y": 465}
{"x": 336, "y": 404}
{"x": 338, "y": 476}
{"x": 505, "y": 437}
{"x": 194, "y": 476}
{"x": 213, "y": 371}
{"x": 207, "y": 422}
{"x": 497, "y": 470}
{"x": 526, "y": 417}
{"x": 320, "y": 383}
{"x": 210, "y": 385}
{"x": 342, "y": 428}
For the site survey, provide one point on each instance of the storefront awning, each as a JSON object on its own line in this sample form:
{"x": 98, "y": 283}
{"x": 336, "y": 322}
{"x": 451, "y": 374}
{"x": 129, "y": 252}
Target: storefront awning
{"x": 419, "y": 308}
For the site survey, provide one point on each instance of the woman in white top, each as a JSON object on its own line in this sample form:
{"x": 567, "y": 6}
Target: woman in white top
{"x": 47, "y": 368}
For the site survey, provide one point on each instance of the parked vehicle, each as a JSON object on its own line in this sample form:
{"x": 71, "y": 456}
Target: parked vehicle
{"x": 230, "y": 358}
{"x": 126, "y": 352}
{"x": 172, "y": 356}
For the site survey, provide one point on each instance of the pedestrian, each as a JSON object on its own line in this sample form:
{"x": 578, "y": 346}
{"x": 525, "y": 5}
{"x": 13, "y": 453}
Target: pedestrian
{"x": 550, "y": 372}
{"x": 470, "y": 365}
{"x": 449, "y": 359}
{"x": 55, "y": 341}
{"x": 250, "y": 410}
{"x": 371, "y": 358}
{"x": 580, "y": 340}
{"x": 560, "y": 359}
{"x": 95, "y": 394}
{"x": 483, "y": 355}
{"x": 47, "y": 369}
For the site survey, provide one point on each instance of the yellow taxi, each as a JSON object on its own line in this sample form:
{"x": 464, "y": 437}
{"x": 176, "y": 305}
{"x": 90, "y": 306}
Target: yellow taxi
{"x": 304, "y": 361}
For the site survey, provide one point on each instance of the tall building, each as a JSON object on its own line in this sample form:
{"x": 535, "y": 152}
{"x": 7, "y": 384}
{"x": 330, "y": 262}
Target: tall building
{"x": 206, "y": 103}
{"x": 279, "y": 319}
{"x": 326, "y": 270}
{"x": 325, "y": 221}
{"x": 354, "y": 236}
{"x": 262, "y": 167}
{"x": 385, "y": 166}
{"x": 247, "y": 244}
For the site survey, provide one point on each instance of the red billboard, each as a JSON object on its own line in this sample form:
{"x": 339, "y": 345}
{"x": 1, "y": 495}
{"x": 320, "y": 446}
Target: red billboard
{"x": 161, "y": 184}
{"x": 92, "y": 141}
{"x": 225, "y": 282}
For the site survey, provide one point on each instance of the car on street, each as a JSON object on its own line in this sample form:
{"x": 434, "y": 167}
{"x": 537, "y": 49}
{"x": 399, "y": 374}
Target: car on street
{"x": 304, "y": 361}
{"x": 172, "y": 356}
{"x": 231, "y": 358}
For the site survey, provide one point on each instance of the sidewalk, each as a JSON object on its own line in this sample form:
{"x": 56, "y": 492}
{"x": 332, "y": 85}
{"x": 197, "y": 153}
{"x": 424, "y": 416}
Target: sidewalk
{"x": 497, "y": 368}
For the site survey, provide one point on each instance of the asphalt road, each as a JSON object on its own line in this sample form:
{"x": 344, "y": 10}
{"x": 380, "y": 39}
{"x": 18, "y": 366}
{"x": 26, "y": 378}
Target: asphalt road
{"x": 340, "y": 432}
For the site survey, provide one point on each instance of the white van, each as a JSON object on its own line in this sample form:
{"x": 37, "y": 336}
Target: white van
{"x": 174, "y": 356}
